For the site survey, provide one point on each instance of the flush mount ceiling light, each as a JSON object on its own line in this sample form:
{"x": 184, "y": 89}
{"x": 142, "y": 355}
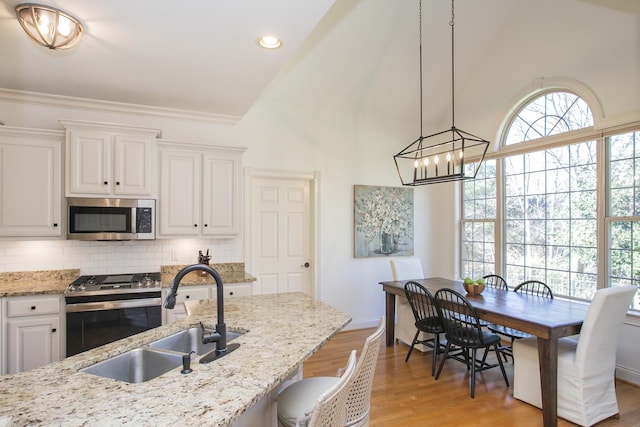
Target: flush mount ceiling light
{"x": 48, "y": 26}
{"x": 440, "y": 157}
{"x": 269, "y": 42}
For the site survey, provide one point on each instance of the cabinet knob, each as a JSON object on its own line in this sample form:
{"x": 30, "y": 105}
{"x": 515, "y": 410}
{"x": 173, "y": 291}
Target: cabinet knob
{"x": 188, "y": 296}
{"x": 231, "y": 293}
{"x": 195, "y": 225}
{"x": 106, "y": 182}
{"x": 117, "y": 182}
{"x": 55, "y": 224}
{"x": 206, "y": 225}
{"x": 54, "y": 330}
{"x": 33, "y": 307}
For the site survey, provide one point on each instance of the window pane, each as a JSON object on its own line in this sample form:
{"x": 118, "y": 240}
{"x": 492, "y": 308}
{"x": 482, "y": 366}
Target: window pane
{"x": 479, "y": 206}
{"x": 551, "y": 227}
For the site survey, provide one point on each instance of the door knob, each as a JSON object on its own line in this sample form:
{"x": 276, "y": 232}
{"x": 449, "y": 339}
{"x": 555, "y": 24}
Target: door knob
{"x": 305, "y": 265}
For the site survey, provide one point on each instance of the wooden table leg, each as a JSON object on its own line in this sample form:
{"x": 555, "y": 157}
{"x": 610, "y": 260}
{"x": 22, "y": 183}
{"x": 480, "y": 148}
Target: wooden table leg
{"x": 548, "y": 356}
{"x": 390, "y": 301}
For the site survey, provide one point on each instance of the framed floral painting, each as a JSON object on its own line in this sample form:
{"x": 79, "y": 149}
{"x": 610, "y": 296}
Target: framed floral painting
{"x": 383, "y": 219}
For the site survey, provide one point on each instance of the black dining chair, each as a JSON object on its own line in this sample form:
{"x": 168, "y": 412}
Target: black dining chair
{"x": 426, "y": 318}
{"x": 463, "y": 329}
{"x": 529, "y": 287}
{"x": 535, "y": 288}
{"x": 495, "y": 281}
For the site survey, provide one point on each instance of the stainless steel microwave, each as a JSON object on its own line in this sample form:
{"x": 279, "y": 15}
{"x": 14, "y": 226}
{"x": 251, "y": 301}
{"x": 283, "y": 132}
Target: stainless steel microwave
{"x": 110, "y": 219}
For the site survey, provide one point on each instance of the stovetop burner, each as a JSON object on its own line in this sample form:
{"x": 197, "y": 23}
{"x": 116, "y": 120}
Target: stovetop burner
{"x": 115, "y": 283}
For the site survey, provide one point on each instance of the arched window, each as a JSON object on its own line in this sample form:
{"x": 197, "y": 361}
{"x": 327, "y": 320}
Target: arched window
{"x": 532, "y": 211}
{"x": 549, "y": 114}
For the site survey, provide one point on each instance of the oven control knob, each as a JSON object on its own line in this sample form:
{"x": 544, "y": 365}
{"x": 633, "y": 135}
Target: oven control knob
{"x": 72, "y": 288}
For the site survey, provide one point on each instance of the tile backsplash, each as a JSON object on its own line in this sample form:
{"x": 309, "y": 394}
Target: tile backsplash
{"x": 113, "y": 257}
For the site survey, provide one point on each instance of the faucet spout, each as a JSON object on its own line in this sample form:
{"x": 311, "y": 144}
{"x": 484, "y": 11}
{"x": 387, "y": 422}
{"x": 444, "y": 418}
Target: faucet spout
{"x": 220, "y": 335}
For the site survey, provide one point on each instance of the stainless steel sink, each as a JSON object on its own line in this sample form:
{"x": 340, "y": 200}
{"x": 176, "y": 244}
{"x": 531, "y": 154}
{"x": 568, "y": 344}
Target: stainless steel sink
{"x": 189, "y": 340}
{"x": 157, "y": 358}
{"x": 136, "y": 366}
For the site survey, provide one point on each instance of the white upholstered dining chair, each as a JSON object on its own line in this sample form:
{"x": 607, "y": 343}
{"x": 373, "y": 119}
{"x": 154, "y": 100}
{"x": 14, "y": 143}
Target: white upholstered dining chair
{"x": 586, "y": 362}
{"x": 296, "y": 402}
{"x": 407, "y": 269}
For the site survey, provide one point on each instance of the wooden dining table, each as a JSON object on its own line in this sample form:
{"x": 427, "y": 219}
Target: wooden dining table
{"x": 547, "y": 319}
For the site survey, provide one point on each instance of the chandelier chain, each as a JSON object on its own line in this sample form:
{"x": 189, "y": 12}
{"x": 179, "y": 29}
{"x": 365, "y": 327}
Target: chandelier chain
{"x": 420, "y": 68}
{"x": 453, "y": 102}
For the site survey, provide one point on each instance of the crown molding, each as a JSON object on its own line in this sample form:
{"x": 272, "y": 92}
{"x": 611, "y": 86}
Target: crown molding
{"x": 59, "y": 101}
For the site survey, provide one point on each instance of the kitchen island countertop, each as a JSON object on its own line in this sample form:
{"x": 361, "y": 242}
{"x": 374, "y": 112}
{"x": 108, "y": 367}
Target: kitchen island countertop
{"x": 284, "y": 330}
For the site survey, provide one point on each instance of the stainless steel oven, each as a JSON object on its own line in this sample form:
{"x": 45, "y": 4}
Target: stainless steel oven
{"x": 105, "y": 308}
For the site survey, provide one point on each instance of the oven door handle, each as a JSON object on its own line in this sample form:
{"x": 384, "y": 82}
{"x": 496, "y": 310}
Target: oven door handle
{"x": 113, "y": 305}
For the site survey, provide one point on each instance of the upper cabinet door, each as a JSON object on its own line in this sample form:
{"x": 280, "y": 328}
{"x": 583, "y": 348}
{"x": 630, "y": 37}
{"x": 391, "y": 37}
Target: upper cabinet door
{"x": 88, "y": 163}
{"x": 132, "y": 165}
{"x": 30, "y": 183}
{"x": 199, "y": 191}
{"x": 109, "y": 160}
{"x": 180, "y": 187}
{"x": 220, "y": 196}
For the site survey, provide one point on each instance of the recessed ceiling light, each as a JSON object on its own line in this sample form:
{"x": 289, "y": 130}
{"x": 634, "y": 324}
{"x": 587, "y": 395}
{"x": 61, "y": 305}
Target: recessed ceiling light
{"x": 269, "y": 42}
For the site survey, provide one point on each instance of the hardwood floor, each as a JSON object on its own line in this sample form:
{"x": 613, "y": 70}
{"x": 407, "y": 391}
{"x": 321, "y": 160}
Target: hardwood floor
{"x": 405, "y": 394}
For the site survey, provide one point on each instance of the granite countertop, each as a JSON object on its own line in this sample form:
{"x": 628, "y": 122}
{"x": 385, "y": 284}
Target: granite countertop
{"x": 36, "y": 282}
{"x": 284, "y": 330}
{"x": 56, "y": 281}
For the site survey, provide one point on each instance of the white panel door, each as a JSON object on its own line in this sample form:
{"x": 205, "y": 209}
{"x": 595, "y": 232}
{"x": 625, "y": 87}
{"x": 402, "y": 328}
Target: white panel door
{"x": 281, "y": 235}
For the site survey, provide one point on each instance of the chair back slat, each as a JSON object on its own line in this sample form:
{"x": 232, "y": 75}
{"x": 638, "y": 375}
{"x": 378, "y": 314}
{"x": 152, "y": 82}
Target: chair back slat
{"x": 422, "y": 304}
{"x": 495, "y": 281}
{"x": 535, "y": 288}
{"x": 461, "y": 323}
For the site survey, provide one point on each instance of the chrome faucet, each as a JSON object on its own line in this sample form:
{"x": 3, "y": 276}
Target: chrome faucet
{"x": 220, "y": 334}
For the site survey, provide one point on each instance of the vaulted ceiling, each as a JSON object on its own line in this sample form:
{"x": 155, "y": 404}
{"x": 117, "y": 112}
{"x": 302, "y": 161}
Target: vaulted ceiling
{"x": 202, "y": 56}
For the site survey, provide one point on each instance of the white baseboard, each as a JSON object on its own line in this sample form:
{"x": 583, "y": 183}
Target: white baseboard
{"x": 628, "y": 375}
{"x": 362, "y": 324}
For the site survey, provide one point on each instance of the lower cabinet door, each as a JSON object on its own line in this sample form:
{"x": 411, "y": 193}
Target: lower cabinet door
{"x": 32, "y": 342}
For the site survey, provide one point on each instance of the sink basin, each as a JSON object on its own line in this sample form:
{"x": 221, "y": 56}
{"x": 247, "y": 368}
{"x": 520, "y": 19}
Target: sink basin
{"x": 189, "y": 340}
{"x": 159, "y": 357}
{"x": 136, "y": 366}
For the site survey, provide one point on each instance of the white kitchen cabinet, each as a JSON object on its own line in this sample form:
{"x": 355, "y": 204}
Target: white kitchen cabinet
{"x": 185, "y": 293}
{"x": 199, "y": 191}
{"x": 196, "y": 293}
{"x": 109, "y": 160}
{"x": 30, "y": 183}
{"x": 235, "y": 290}
{"x": 34, "y": 334}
